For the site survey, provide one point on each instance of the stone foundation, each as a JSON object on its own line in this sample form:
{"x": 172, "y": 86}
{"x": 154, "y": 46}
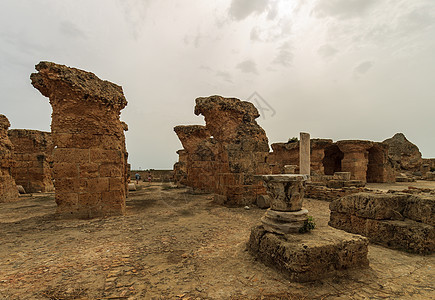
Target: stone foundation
{"x": 400, "y": 221}
{"x": 90, "y": 168}
{"x": 8, "y": 188}
{"x": 33, "y": 155}
{"x": 306, "y": 257}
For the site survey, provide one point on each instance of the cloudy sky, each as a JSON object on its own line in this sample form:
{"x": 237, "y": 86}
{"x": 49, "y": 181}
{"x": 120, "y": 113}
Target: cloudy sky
{"x": 339, "y": 69}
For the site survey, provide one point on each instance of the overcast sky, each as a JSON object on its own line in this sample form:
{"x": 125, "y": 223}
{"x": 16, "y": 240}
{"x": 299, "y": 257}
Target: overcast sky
{"x": 339, "y": 69}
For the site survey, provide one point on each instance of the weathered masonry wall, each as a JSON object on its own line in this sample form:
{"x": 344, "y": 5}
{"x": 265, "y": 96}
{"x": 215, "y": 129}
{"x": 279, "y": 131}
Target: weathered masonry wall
{"x": 8, "y": 189}
{"x": 201, "y": 152}
{"x": 90, "y": 166}
{"x": 224, "y": 155}
{"x": 33, "y": 155}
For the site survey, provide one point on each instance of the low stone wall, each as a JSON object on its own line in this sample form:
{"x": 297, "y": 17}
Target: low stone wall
{"x": 330, "y": 194}
{"x": 397, "y": 220}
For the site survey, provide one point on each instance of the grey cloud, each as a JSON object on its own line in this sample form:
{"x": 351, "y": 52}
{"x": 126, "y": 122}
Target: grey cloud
{"x": 225, "y": 76}
{"x": 248, "y": 66}
{"x": 240, "y": 9}
{"x": 284, "y": 56}
{"x": 273, "y": 10}
{"x": 343, "y": 9}
{"x": 279, "y": 30}
{"x": 327, "y": 51}
{"x": 363, "y": 68}
{"x": 72, "y": 30}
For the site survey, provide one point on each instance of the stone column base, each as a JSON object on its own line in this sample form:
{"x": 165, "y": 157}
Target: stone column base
{"x": 283, "y": 222}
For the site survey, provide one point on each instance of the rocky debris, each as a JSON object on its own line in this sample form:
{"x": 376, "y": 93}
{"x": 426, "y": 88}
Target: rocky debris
{"x": 90, "y": 168}
{"x": 33, "y": 154}
{"x": 403, "y": 154}
{"x": 307, "y": 257}
{"x": 8, "y": 189}
{"x": 20, "y": 189}
{"x": 224, "y": 156}
{"x": 399, "y": 220}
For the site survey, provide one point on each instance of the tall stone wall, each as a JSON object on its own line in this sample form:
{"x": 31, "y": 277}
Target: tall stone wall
{"x": 225, "y": 155}
{"x": 8, "y": 188}
{"x": 89, "y": 155}
{"x": 33, "y": 155}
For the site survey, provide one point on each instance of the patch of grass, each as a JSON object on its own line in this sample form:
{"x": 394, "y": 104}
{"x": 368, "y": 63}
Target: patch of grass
{"x": 308, "y": 225}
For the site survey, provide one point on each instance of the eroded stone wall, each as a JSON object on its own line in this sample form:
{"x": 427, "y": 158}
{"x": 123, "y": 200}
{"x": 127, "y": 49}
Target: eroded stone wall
{"x": 33, "y": 155}
{"x": 8, "y": 188}
{"x": 226, "y": 153}
{"x": 89, "y": 157}
{"x": 201, "y": 153}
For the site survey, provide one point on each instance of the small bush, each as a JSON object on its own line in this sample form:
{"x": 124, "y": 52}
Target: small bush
{"x": 292, "y": 140}
{"x": 308, "y": 225}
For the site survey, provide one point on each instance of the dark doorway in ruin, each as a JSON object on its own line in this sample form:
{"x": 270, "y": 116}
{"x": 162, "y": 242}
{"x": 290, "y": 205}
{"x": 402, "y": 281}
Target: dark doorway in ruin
{"x": 332, "y": 160}
{"x": 375, "y": 167}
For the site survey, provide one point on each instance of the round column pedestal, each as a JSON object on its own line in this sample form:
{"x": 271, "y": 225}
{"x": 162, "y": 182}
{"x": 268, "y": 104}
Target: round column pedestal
{"x": 283, "y": 222}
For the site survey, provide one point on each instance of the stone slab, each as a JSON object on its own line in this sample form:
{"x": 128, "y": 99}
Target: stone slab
{"x": 408, "y": 235}
{"x": 307, "y": 257}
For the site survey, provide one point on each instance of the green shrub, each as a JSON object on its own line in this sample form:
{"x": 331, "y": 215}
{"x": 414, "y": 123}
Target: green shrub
{"x": 308, "y": 225}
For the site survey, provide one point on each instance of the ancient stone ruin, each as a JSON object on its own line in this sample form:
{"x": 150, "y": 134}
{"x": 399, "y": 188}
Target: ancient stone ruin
{"x": 201, "y": 152}
{"x": 404, "y": 155}
{"x": 8, "y": 188}
{"x": 396, "y": 220}
{"x": 33, "y": 155}
{"x": 366, "y": 161}
{"x": 279, "y": 241}
{"x": 233, "y": 143}
{"x": 90, "y": 167}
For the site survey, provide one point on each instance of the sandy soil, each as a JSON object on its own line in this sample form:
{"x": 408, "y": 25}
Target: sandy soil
{"x": 175, "y": 245}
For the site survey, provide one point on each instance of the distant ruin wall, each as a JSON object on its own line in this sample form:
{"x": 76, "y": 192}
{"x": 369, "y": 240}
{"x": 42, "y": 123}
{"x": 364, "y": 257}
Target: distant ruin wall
{"x": 33, "y": 155}
{"x": 90, "y": 167}
{"x": 367, "y": 161}
{"x": 8, "y": 188}
{"x": 404, "y": 155}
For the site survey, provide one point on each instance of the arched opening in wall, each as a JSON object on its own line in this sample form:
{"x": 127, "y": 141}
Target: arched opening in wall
{"x": 375, "y": 167}
{"x": 332, "y": 160}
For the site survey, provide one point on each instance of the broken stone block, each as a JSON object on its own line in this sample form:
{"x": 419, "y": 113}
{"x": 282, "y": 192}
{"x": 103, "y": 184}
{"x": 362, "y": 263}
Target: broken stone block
{"x": 399, "y": 220}
{"x": 307, "y": 257}
{"x": 263, "y": 201}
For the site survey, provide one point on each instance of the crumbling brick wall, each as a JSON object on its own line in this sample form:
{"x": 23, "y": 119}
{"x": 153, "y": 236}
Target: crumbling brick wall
{"x": 242, "y": 148}
{"x": 33, "y": 155}
{"x": 89, "y": 155}
{"x": 8, "y": 188}
{"x": 180, "y": 168}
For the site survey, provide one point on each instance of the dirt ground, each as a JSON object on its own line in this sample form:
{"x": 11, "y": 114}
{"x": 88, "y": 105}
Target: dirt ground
{"x": 175, "y": 245}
